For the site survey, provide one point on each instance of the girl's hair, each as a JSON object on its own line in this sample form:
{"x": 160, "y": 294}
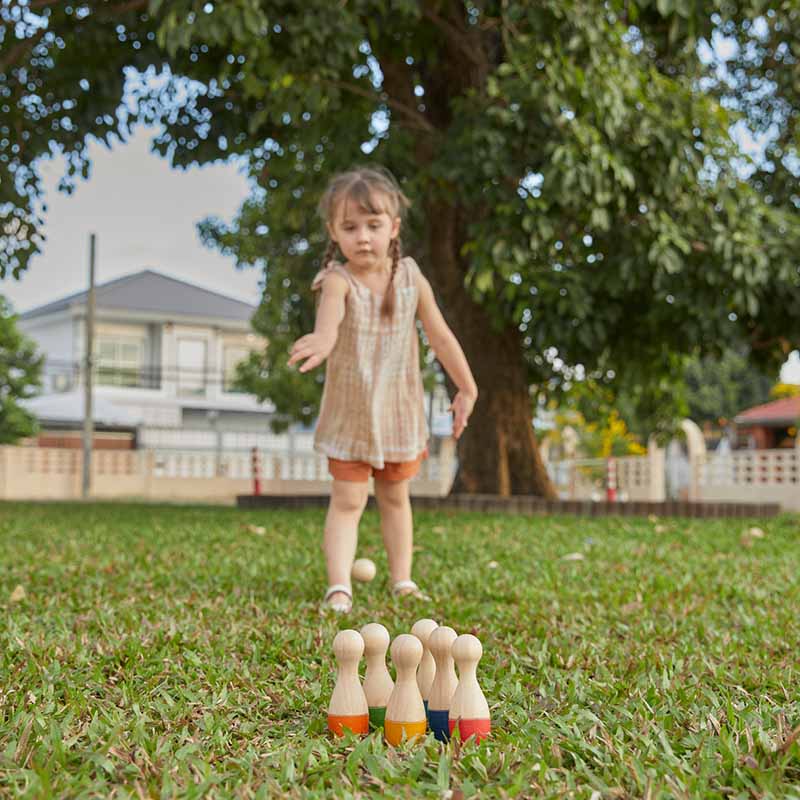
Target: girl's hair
{"x": 374, "y": 191}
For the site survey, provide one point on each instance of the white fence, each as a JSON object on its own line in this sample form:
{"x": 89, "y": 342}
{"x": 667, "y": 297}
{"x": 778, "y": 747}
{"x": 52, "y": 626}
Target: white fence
{"x": 151, "y": 437}
{"x": 757, "y": 476}
{"x": 740, "y": 476}
{"x": 764, "y": 476}
{"x": 38, "y": 473}
{"x": 638, "y": 477}
{"x": 275, "y": 465}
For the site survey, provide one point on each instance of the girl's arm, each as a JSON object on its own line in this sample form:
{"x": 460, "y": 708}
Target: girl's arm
{"x": 450, "y": 355}
{"x": 316, "y": 347}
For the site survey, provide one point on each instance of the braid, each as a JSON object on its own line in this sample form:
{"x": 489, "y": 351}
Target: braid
{"x": 330, "y": 252}
{"x": 387, "y": 307}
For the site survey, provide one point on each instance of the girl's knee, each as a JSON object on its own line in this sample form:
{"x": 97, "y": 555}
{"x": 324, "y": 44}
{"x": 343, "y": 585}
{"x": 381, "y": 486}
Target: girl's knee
{"x": 392, "y": 494}
{"x": 349, "y": 498}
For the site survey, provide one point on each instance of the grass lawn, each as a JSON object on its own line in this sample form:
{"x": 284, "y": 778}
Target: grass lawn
{"x": 179, "y": 652}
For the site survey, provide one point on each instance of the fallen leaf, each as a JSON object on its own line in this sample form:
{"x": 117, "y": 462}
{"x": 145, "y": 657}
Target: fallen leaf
{"x": 257, "y": 529}
{"x": 18, "y": 595}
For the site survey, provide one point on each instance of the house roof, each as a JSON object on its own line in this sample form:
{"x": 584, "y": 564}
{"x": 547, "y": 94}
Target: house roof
{"x": 151, "y": 291}
{"x": 785, "y": 411}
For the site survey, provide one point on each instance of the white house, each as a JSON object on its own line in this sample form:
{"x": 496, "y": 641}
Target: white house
{"x": 165, "y": 353}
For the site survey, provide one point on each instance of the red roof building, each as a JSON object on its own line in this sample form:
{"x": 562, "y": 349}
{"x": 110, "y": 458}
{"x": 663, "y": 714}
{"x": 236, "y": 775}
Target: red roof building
{"x": 770, "y": 425}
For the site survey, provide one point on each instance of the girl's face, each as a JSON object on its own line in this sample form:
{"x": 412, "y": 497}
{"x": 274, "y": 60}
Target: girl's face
{"x": 363, "y": 236}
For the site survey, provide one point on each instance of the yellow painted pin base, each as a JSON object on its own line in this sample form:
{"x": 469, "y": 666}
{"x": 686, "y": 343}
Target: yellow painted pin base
{"x": 395, "y": 732}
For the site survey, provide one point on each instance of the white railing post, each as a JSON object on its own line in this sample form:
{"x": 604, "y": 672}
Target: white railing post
{"x": 5, "y": 454}
{"x": 657, "y": 479}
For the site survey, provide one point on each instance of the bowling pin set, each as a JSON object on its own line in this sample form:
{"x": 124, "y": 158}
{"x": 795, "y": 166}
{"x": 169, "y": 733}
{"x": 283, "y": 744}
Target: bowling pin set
{"x": 427, "y": 693}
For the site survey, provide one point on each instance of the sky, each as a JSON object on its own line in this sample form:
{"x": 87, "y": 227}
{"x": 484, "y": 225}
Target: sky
{"x": 145, "y": 215}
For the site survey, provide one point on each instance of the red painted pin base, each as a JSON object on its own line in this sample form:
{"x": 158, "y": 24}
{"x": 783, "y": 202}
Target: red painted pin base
{"x": 479, "y": 728}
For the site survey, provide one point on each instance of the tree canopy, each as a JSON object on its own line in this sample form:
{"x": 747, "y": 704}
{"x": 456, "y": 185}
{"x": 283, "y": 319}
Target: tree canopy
{"x": 20, "y": 378}
{"x": 580, "y": 205}
{"x": 720, "y": 388}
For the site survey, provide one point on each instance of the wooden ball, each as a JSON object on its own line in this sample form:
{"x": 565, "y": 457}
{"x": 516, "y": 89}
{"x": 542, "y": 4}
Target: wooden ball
{"x": 363, "y": 570}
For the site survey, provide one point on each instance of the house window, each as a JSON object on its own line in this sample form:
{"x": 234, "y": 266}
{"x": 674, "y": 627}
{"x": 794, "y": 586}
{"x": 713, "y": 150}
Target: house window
{"x": 192, "y": 367}
{"x": 119, "y": 360}
{"x": 61, "y": 381}
{"x": 231, "y": 356}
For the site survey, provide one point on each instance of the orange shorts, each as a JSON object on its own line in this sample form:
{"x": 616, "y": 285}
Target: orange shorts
{"x": 359, "y": 471}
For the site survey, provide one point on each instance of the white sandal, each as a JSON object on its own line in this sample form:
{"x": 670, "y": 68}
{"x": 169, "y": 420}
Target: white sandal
{"x": 340, "y": 606}
{"x": 408, "y": 589}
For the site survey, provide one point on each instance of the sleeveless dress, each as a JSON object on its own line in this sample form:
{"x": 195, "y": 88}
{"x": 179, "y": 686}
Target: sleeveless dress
{"x": 373, "y": 406}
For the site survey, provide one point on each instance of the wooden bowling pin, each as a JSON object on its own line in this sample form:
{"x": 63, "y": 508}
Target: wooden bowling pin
{"x": 468, "y": 708}
{"x": 445, "y": 681}
{"x": 405, "y": 711}
{"x": 422, "y": 629}
{"x": 348, "y": 707}
{"x": 378, "y": 683}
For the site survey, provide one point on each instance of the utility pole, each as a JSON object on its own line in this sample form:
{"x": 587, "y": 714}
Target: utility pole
{"x": 88, "y": 421}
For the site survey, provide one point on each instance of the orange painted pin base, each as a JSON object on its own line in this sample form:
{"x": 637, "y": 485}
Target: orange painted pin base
{"x": 479, "y": 728}
{"x": 358, "y": 723}
{"x": 396, "y": 731}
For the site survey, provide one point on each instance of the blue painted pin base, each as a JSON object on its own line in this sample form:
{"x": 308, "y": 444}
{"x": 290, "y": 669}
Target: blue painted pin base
{"x": 439, "y": 722}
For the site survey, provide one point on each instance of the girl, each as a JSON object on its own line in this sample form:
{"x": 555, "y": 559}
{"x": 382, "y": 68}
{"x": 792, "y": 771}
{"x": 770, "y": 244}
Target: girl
{"x": 372, "y": 417}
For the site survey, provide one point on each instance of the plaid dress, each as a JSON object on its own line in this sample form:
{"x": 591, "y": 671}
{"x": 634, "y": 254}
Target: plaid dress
{"x": 373, "y": 406}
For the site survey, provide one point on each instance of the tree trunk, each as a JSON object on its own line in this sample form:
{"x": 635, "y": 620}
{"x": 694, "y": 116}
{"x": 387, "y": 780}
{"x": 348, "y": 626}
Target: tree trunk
{"x": 498, "y": 453}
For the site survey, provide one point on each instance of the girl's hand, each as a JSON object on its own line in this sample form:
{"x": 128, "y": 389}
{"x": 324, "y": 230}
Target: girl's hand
{"x": 313, "y": 347}
{"x": 462, "y": 406}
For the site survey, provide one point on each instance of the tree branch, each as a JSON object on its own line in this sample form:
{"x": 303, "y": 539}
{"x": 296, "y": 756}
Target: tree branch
{"x": 421, "y": 122}
{"x": 133, "y": 5}
{"x": 19, "y": 49}
{"x": 457, "y": 37}
{"x": 26, "y": 45}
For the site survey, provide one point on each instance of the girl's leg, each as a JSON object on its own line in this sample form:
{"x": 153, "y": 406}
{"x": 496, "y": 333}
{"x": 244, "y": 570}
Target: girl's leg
{"x": 348, "y": 499}
{"x": 394, "y": 505}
